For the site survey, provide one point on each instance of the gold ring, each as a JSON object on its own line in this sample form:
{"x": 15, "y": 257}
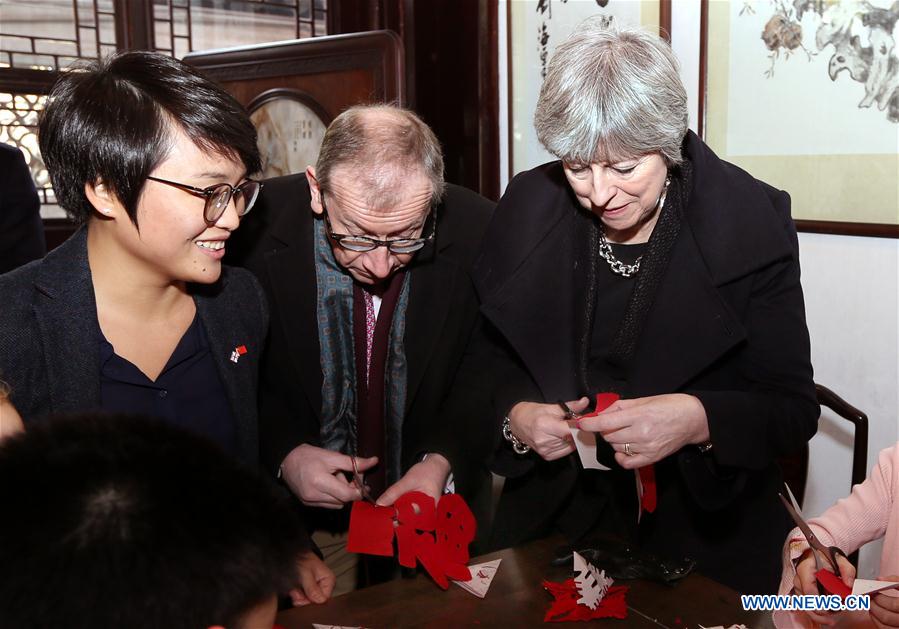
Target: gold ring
{"x": 627, "y": 449}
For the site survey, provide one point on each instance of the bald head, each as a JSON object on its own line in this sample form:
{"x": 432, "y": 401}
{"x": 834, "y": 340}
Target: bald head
{"x": 382, "y": 146}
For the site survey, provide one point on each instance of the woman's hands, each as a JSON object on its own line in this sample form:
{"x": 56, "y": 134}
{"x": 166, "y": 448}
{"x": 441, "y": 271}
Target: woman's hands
{"x": 543, "y": 427}
{"x": 652, "y": 427}
{"x": 805, "y": 582}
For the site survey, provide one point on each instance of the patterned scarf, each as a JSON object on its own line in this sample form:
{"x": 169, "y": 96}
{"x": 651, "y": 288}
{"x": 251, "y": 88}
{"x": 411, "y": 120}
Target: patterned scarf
{"x": 334, "y": 314}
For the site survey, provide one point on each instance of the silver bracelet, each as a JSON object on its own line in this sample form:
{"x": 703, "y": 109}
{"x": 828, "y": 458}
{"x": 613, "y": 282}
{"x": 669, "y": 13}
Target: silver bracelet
{"x": 519, "y": 446}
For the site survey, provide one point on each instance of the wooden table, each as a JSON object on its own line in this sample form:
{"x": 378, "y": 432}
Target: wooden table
{"x": 517, "y": 599}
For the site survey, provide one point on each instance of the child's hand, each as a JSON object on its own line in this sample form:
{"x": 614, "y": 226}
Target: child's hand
{"x": 806, "y": 583}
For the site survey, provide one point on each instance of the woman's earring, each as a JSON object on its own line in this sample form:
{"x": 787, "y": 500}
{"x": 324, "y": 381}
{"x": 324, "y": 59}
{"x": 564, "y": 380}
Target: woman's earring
{"x": 106, "y": 210}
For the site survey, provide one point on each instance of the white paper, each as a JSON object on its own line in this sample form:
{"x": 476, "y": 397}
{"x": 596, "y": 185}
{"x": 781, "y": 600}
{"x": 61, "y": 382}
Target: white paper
{"x": 591, "y": 584}
{"x": 585, "y": 441}
{"x": 481, "y": 577}
{"x": 867, "y": 586}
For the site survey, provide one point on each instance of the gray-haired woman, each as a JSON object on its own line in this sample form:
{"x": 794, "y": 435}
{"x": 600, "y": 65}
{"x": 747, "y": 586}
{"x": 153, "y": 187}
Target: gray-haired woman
{"x": 640, "y": 263}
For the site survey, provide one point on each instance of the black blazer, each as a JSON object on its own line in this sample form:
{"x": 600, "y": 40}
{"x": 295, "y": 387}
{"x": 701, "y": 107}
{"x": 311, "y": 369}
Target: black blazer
{"x": 447, "y": 405}
{"x": 50, "y": 337}
{"x": 21, "y": 229}
{"x": 727, "y": 325}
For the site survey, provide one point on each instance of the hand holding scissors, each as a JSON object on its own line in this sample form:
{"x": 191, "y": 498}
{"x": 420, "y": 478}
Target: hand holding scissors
{"x": 359, "y": 481}
{"x": 832, "y": 554}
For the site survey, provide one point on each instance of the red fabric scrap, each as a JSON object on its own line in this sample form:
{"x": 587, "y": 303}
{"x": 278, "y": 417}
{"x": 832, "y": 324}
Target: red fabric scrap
{"x": 565, "y": 607}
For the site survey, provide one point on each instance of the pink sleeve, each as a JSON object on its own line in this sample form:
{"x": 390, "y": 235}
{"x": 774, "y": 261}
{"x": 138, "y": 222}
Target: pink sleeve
{"x": 849, "y": 524}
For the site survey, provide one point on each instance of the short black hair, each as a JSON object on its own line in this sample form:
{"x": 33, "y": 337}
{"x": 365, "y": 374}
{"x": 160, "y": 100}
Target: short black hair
{"x": 112, "y": 120}
{"x": 116, "y": 521}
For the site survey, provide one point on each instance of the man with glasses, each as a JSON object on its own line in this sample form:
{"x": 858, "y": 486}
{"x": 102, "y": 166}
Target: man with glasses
{"x": 367, "y": 263}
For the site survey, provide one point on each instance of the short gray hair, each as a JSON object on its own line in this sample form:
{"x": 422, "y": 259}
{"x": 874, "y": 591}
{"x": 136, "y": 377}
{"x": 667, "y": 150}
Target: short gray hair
{"x": 383, "y": 143}
{"x": 612, "y": 93}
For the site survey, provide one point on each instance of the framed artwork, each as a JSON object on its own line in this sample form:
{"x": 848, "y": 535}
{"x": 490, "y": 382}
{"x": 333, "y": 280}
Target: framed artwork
{"x": 805, "y": 96}
{"x": 535, "y": 28}
{"x": 294, "y": 89}
{"x": 290, "y": 127}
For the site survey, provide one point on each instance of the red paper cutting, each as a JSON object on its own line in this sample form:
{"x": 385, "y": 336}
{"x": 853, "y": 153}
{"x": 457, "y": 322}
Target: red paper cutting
{"x": 832, "y": 583}
{"x": 415, "y": 512}
{"x": 371, "y": 530}
{"x": 565, "y": 607}
{"x": 455, "y": 527}
{"x": 436, "y": 536}
{"x": 455, "y": 530}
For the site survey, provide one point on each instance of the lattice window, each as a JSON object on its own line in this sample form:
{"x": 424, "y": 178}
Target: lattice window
{"x": 51, "y": 34}
{"x": 182, "y": 26}
{"x": 18, "y": 126}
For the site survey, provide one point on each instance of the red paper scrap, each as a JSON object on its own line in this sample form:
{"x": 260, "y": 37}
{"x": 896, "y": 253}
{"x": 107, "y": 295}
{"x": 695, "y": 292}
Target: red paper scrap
{"x": 647, "y": 474}
{"x": 648, "y": 478}
{"x": 832, "y": 583}
{"x": 371, "y": 529}
{"x": 604, "y": 401}
{"x": 565, "y": 607}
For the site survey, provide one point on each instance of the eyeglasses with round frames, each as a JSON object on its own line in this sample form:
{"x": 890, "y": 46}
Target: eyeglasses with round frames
{"x": 363, "y": 244}
{"x": 218, "y": 197}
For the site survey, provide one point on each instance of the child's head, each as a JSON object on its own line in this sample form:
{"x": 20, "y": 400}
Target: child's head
{"x": 121, "y": 522}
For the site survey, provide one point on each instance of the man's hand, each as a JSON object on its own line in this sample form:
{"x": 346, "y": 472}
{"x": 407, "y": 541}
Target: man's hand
{"x": 543, "y": 427}
{"x": 428, "y": 477}
{"x": 884, "y": 607}
{"x": 316, "y": 476}
{"x": 316, "y": 580}
{"x": 653, "y": 427}
{"x": 805, "y": 582}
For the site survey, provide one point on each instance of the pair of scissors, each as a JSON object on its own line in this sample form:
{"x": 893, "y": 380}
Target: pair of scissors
{"x": 360, "y": 483}
{"x": 569, "y": 414}
{"x": 830, "y": 552}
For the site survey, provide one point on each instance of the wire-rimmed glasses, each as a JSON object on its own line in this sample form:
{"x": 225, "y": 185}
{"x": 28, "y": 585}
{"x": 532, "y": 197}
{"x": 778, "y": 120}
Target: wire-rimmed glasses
{"x": 363, "y": 244}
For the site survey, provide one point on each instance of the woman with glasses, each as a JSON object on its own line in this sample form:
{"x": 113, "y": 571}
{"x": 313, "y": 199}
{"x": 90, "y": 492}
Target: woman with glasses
{"x": 640, "y": 264}
{"x": 135, "y": 312}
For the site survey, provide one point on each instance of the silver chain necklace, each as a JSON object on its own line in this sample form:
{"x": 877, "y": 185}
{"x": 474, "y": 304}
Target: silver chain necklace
{"x": 605, "y": 249}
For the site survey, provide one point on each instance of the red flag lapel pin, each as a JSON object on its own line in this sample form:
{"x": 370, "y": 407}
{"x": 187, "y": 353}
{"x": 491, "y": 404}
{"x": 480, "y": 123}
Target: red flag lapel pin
{"x": 239, "y": 351}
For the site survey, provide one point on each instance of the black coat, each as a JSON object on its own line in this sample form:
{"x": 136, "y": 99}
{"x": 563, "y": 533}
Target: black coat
{"x": 21, "y": 228}
{"x": 50, "y": 337}
{"x": 727, "y": 325}
{"x": 448, "y": 394}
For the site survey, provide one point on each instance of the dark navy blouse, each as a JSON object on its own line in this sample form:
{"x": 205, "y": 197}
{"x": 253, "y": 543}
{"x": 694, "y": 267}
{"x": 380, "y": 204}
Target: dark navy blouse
{"x": 188, "y": 392}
